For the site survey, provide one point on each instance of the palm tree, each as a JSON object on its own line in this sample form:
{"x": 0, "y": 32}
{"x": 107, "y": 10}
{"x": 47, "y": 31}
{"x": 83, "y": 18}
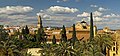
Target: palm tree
{"x": 47, "y": 50}
{"x": 104, "y": 41}
{"x": 65, "y": 49}
{"x": 94, "y": 49}
{"x": 83, "y": 48}
{"x": 78, "y": 47}
{"x": 87, "y": 48}
{"x": 3, "y": 34}
{"x": 8, "y": 48}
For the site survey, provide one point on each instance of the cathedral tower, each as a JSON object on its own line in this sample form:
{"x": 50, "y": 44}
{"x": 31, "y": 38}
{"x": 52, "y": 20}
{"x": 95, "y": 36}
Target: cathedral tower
{"x": 39, "y": 25}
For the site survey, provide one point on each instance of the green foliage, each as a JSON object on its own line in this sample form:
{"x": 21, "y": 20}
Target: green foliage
{"x": 63, "y": 35}
{"x": 91, "y": 27}
{"x": 74, "y": 38}
{"x": 26, "y": 54}
{"x": 3, "y": 34}
{"x": 8, "y": 48}
{"x": 1, "y": 26}
{"x": 47, "y": 49}
{"x": 80, "y": 48}
{"x": 54, "y": 40}
{"x": 15, "y": 46}
{"x": 104, "y": 41}
{"x": 64, "y": 49}
{"x": 26, "y": 30}
{"x": 41, "y": 35}
{"x": 74, "y": 32}
{"x": 23, "y": 31}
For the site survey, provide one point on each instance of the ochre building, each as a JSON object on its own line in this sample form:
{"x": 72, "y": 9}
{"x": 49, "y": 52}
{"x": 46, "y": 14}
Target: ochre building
{"x": 82, "y": 31}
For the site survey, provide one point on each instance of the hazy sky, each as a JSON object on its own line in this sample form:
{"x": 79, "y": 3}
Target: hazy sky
{"x": 60, "y": 12}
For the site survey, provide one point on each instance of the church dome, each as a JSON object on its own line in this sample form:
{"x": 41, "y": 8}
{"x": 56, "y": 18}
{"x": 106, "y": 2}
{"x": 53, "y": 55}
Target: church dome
{"x": 83, "y": 22}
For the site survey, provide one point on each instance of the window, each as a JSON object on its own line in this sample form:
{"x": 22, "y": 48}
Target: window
{"x": 84, "y": 27}
{"x": 114, "y": 43}
{"x": 113, "y": 54}
{"x": 113, "y": 48}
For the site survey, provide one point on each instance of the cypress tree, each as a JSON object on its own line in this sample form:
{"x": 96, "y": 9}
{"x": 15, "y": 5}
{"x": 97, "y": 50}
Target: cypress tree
{"x": 23, "y": 34}
{"x": 91, "y": 27}
{"x": 40, "y": 35}
{"x": 63, "y": 34}
{"x": 23, "y": 31}
{"x": 26, "y": 30}
{"x": 74, "y": 38}
{"x": 54, "y": 40}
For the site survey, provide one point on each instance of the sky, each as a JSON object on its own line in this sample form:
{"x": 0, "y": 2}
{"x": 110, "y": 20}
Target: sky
{"x": 60, "y": 12}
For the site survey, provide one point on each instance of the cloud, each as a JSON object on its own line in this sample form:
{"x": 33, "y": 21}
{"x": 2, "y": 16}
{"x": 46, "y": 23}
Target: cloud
{"x": 93, "y": 6}
{"x": 102, "y": 9}
{"x": 65, "y": 0}
{"x": 77, "y": 0}
{"x": 17, "y": 17}
{"x": 58, "y": 1}
{"x": 86, "y": 14}
{"x": 97, "y": 13}
{"x": 97, "y": 19}
{"x": 61, "y": 10}
{"x": 58, "y": 14}
{"x": 112, "y": 15}
{"x": 26, "y": 20}
{"x": 16, "y": 14}
{"x": 15, "y": 9}
{"x": 99, "y": 8}
{"x": 44, "y": 15}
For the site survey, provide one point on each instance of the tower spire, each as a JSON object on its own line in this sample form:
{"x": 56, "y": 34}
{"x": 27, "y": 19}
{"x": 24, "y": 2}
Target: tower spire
{"x": 39, "y": 22}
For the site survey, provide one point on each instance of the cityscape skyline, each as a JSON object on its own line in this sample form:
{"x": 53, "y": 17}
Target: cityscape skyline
{"x": 60, "y": 12}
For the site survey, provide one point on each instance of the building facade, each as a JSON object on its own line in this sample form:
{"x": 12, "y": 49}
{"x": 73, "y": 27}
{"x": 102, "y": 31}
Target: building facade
{"x": 82, "y": 31}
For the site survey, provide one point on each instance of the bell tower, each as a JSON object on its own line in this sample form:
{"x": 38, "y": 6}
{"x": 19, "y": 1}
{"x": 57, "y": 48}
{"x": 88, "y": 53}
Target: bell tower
{"x": 39, "y": 25}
